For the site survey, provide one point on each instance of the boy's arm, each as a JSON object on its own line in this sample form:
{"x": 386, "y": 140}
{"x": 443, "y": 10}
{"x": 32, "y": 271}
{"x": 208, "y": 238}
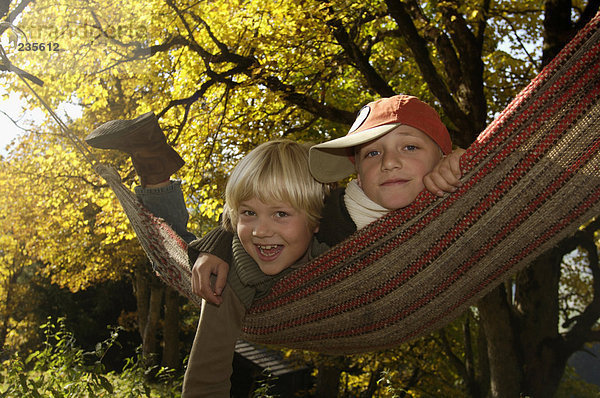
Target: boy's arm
{"x": 209, "y": 256}
{"x": 445, "y": 176}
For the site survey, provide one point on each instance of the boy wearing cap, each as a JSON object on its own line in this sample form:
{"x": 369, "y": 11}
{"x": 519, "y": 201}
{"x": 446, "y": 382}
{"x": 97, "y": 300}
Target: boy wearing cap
{"x": 398, "y": 146}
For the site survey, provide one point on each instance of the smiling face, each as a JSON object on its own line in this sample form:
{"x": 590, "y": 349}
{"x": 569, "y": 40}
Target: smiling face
{"x": 391, "y": 168}
{"x": 275, "y": 235}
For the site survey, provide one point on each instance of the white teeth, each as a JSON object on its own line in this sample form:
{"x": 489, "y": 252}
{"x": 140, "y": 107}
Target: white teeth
{"x": 265, "y": 250}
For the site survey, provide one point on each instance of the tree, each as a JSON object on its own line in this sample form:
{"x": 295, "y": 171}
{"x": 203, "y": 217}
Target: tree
{"x": 225, "y": 77}
{"x": 14, "y": 264}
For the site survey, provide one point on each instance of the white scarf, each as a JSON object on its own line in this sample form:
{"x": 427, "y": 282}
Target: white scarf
{"x": 362, "y": 209}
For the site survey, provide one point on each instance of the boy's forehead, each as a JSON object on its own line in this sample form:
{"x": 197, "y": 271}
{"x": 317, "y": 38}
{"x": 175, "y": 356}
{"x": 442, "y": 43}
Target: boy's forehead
{"x": 270, "y": 202}
{"x": 265, "y": 200}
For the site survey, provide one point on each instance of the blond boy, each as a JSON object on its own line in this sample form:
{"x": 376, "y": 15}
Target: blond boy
{"x": 273, "y": 206}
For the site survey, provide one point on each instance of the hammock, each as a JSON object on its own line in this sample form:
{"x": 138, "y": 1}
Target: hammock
{"x": 531, "y": 179}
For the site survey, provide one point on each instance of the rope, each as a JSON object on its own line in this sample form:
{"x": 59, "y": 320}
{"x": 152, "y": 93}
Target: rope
{"x": 75, "y": 140}
{"x": 24, "y": 76}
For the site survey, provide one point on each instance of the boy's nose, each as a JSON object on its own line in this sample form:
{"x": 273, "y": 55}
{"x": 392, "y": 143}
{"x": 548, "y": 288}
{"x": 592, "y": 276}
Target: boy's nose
{"x": 390, "y": 161}
{"x": 262, "y": 229}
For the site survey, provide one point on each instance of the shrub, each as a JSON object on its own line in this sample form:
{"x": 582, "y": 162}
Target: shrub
{"x": 60, "y": 369}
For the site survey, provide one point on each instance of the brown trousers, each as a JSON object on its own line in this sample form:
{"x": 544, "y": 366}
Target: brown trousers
{"x": 210, "y": 364}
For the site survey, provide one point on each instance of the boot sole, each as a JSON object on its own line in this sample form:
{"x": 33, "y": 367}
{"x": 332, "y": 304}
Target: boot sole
{"x": 108, "y": 135}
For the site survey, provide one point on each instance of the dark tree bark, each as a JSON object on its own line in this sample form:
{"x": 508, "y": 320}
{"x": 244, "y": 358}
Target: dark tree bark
{"x": 141, "y": 290}
{"x": 536, "y": 303}
{"x": 8, "y": 300}
{"x": 328, "y": 378}
{"x": 170, "y": 358}
{"x": 502, "y": 347}
{"x": 149, "y": 336}
{"x": 558, "y": 28}
{"x": 149, "y": 295}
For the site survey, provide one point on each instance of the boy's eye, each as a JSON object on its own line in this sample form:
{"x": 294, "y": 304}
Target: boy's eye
{"x": 281, "y": 214}
{"x": 247, "y": 212}
{"x": 371, "y": 154}
{"x": 411, "y": 147}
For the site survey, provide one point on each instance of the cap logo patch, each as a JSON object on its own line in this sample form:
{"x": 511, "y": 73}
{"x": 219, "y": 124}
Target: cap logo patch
{"x": 360, "y": 118}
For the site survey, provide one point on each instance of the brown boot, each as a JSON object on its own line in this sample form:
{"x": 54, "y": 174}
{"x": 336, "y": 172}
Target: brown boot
{"x": 142, "y": 138}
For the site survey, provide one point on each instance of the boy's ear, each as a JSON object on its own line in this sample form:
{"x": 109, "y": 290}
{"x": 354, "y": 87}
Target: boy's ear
{"x": 356, "y": 170}
{"x": 316, "y": 229}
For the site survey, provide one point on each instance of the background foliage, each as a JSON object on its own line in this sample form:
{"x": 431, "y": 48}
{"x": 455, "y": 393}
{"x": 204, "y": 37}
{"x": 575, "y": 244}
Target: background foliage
{"x": 225, "y": 76}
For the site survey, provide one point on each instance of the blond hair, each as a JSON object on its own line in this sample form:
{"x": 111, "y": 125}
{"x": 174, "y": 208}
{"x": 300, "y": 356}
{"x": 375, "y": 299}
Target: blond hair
{"x": 276, "y": 171}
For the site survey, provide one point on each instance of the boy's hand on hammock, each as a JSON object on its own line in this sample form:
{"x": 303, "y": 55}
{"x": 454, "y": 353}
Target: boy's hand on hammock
{"x": 445, "y": 176}
{"x": 205, "y": 266}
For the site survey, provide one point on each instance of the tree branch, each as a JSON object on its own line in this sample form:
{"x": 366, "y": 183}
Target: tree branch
{"x": 418, "y": 45}
{"x": 460, "y": 367}
{"x": 471, "y": 65}
{"x": 250, "y": 66}
{"x": 289, "y": 94}
{"x": 14, "y": 13}
{"x": 360, "y": 60}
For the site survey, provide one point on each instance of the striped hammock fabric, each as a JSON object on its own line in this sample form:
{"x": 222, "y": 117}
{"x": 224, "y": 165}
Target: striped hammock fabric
{"x": 531, "y": 179}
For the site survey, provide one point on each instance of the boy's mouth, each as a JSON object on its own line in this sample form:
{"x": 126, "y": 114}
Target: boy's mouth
{"x": 269, "y": 251}
{"x": 394, "y": 181}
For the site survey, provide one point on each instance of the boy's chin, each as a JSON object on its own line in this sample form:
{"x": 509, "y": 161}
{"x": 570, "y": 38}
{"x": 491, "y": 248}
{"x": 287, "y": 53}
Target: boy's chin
{"x": 270, "y": 269}
{"x": 397, "y": 201}
{"x": 394, "y": 204}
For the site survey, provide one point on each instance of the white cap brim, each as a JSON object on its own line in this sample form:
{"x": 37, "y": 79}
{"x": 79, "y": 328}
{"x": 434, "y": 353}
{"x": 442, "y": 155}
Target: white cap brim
{"x": 330, "y": 161}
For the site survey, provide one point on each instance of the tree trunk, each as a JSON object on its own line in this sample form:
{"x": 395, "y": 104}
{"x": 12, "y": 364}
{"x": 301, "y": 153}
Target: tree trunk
{"x": 483, "y": 363}
{"x": 472, "y": 382}
{"x": 328, "y": 379}
{"x": 148, "y": 293}
{"x": 170, "y": 357}
{"x": 8, "y": 303}
{"x": 149, "y": 338}
{"x": 5, "y": 314}
{"x": 558, "y": 28}
{"x": 142, "y": 296}
{"x": 502, "y": 349}
{"x": 536, "y": 301}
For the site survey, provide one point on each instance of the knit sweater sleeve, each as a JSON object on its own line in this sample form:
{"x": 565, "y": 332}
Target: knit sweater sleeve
{"x": 216, "y": 242}
{"x": 336, "y": 223}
